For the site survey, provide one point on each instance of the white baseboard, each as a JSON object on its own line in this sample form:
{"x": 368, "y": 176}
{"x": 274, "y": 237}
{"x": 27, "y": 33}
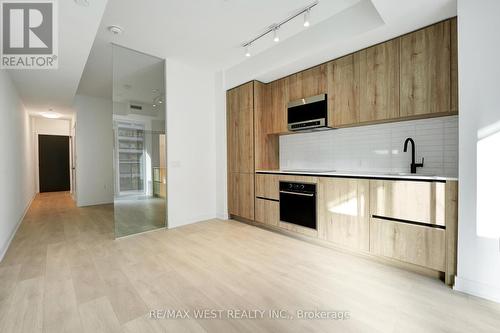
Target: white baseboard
{"x": 7, "y": 245}
{"x": 200, "y": 218}
{"x": 478, "y": 289}
{"x": 222, "y": 216}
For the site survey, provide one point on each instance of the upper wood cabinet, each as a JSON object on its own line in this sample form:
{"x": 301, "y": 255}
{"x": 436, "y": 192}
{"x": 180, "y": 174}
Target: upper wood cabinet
{"x": 343, "y": 94}
{"x": 426, "y": 71}
{"x": 343, "y": 213}
{"x": 278, "y": 105}
{"x": 240, "y": 136}
{"x": 310, "y": 82}
{"x": 454, "y": 65}
{"x": 379, "y": 82}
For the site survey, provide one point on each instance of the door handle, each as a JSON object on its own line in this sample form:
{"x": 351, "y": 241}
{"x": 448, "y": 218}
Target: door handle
{"x": 298, "y": 193}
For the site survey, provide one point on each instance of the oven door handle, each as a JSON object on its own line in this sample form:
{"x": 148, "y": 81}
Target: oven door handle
{"x": 298, "y": 193}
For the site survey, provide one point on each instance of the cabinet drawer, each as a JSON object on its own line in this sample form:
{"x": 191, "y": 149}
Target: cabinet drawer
{"x": 408, "y": 200}
{"x": 267, "y": 186}
{"x": 267, "y": 211}
{"x": 419, "y": 245}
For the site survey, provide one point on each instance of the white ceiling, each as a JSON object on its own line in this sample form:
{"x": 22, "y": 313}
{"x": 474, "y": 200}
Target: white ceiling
{"x": 43, "y": 89}
{"x": 208, "y": 33}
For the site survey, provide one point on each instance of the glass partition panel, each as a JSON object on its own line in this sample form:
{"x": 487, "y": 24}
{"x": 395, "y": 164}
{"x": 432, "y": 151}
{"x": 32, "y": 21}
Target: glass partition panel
{"x": 139, "y": 142}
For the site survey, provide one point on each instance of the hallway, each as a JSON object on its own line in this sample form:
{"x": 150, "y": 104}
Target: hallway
{"x": 64, "y": 273}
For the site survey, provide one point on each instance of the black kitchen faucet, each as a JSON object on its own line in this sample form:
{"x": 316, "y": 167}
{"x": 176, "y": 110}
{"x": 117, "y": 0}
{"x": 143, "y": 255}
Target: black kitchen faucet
{"x": 413, "y": 166}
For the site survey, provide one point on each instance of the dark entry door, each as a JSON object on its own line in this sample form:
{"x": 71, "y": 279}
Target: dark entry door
{"x": 53, "y": 163}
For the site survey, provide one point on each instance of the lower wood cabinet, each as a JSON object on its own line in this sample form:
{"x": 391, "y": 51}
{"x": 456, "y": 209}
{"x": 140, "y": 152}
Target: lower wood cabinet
{"x": 241, "y": 194}
{"x": 414, "y": 222}
{"x": 267, "y": 211}
{"x": 419, "y": 245}
{"x": 415, "y": 201}
{"x": 343, "y": 212}
{"x": 267, "y": 186}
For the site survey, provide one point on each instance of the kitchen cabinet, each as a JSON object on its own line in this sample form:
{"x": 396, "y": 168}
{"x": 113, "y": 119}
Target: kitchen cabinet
{"x": 413, "y": 244}
{"x": 343, "y": 94}
{"x": 343, "y": 212}
{"x": 240, "y": 136}
{"x": 310, "y": 82}
{"x": 426, "y": 71}
{"x": 422, "y": 202}
{"x": 278, "y": 104}
{"x": 415, "y": 222}
{"x": 241, "y": 195}
{"x": 267, "y": 211}
{"x": 240, "y": 150}
{"x": 379, "y": 82}
{"x": 454, "y": 65}
{"x": 270, "y": 121}
{"x": 267, "y": 186}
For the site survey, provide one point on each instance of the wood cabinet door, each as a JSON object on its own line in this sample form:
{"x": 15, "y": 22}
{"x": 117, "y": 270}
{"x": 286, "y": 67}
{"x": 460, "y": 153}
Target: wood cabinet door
{"x": 241, "y": 194}
{"x": 240, "y": 124}
{"x": 419, "y": 245}
{"x": 279, "y": 105}
{"x": 422, "y": 202}
{"x": 267, "y": 186}
{"x": 343, "y": 92}
{"x": 343, "y": 212}
{"x": 310, "y": 82}
{"x": 379, "y": 82}
{"x": 454, "y": 65}
{"x": 267, "y": 212}
{"x": 425, "y": 71}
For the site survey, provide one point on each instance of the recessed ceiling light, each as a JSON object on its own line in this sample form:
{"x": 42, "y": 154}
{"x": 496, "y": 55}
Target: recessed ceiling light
{"x": 84, "y": 3}
{"x": 50, "y": 114}
{"x": 116, "y": 30}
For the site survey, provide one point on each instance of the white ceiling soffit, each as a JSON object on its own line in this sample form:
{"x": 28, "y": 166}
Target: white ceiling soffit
{"x": 364, "y": 24}
{"x": 41, "y": 89}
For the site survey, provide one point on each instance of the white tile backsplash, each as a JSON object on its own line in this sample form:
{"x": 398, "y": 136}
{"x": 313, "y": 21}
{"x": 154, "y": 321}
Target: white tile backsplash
{"x": 376, "y": 148}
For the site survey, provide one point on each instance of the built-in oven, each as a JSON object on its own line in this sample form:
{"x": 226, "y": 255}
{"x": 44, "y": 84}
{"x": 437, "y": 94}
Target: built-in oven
{"x": 298, "y": 204}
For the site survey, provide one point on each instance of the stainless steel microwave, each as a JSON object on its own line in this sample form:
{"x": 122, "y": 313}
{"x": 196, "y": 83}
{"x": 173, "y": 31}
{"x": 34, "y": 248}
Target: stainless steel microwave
{"x": 308, "y": 114}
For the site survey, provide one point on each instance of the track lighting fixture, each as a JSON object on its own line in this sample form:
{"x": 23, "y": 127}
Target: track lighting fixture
{"x": 247, "y": 50}
{"x": 275, "y": 27}
{"x": 306, "y": 18}
{"x": 276, "y": 37}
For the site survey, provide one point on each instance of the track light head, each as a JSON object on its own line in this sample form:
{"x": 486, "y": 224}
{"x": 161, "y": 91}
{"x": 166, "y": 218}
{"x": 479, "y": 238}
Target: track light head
{"x": 247, "y": 51}
{"x": 306, "y": 18}
{"x": 276, "y": 37}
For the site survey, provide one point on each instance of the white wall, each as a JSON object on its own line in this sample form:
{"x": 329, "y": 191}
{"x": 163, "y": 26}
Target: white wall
{"x": 191, "y": 152}
{"x": 46, "y": 126}
{"x": 479, "y": 70}
{"x": 376, "y": 148}
{"x": 221, "y": 143}
{"x": 52, "y": 126}
{"x": 94, "y": 150}
{"x": 16, "y": 165}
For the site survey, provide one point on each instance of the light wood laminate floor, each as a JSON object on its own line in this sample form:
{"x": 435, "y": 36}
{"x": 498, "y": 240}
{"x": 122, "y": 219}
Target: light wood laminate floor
{"x": 64, "y": 273}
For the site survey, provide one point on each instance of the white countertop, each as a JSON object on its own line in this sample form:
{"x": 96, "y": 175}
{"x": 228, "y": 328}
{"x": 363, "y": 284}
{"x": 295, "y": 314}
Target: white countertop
{"x": 368, "y": 174}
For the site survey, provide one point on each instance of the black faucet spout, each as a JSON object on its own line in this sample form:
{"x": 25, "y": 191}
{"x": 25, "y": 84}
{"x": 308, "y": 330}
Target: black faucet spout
{"x": 413, "y": 165}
